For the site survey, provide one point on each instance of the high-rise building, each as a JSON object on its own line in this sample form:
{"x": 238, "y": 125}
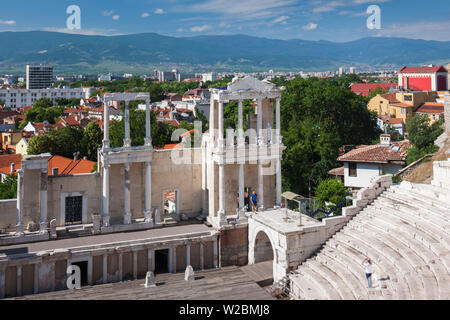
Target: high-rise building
{"x": 341, "y": 71}
{"x": 39, "y": 77}
{"x": 352, "y": 70}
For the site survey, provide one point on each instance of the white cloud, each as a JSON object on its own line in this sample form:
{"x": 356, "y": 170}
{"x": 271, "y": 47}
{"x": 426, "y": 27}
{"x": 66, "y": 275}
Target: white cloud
{"x": 369, "y": 1}
{"x": 200, "y": 29}
{"x": 86, "y": 32}
{"x": 180, "y": 30}
{"x": 427, "y": 30}
{"x": 116, "y": 17}
{"x": 280, "y": 19}
{"x": 145, "y": 15}
{"x": 310, "y": 26}
{"x": 327, "y": 7}
{"x": 159, "y": 11}
{"x": 8, "y": 22}
{"x": 107, "y": 13}
{"x": 239, "y": 7}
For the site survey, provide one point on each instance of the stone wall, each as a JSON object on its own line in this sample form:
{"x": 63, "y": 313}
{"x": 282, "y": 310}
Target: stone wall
{"x": 8, "y": 215}
{"x": 233, "y": 246}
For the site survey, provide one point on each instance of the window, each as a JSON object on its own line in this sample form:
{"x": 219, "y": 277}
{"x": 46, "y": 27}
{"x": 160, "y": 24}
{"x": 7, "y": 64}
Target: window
{"x": 352, "y": 169}
{"x": 408, "y": 98}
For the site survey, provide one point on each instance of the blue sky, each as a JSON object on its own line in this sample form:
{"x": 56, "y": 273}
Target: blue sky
{"x": 336, "y": 20}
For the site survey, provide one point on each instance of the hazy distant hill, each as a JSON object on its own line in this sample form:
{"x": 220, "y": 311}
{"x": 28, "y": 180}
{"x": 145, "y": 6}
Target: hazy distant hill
{"x": 140, "y": 53}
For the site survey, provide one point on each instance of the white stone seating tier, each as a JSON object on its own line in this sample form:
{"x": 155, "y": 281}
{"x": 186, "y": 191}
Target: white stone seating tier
{"x": 404, "y": 231}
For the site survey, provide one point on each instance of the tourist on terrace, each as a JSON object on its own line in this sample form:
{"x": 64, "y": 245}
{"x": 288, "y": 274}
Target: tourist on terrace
{"x": 254, "y": 199}
{"x": 367, "y": 263}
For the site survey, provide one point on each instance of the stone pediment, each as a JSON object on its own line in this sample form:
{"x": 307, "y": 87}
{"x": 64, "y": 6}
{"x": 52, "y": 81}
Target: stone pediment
{"x": 249, "y": 84}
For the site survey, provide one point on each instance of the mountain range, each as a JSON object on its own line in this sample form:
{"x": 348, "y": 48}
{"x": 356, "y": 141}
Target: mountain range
{"x": 141, "y": 53}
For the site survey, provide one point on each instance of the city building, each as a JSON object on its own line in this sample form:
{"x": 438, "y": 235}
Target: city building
{"x": 39, "y": 77}
{"x": 364, "y": 163}
{"x": 20, "y": 98}
{"x": 212, "y": 76}
{"x": 429, "y": 78}
{"x": 434, "y": 111}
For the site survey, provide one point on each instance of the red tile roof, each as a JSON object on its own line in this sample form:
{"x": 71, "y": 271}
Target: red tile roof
{"x": 5, "y": 160}
{"x": 392, "y": 97}
{"x": 377, "y": 153}
{"x": 365, "y": 88}
{"x": 430, "y": 107}
{"x": 394, "y": 120}
{"x": 65, "y": 166}
{"x": 336, "y": 172}
{"x": 406, "y": 69}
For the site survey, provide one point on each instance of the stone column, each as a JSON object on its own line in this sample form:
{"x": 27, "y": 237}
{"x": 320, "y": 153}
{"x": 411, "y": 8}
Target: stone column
{"x": 220, "y": 121}
{"x": 260, "y": 186}
{"x": 215, "y": 254}
{"x": 19, "y": 209}
{"x": 278, "y": 142}
{"x": 151, "y": 260}
{"x": 278, "y": 122}
{"x": 120, "y": 266}
{"x": 259, "y": 138}
{"x": 241, "y": 140}
{"x": 241, "y": 187}
{"x": 173, "y": 259}
{"x": 105, "y": 268}
{"x": 188, "y": 254}
{"x": 43, "y": 201}
{"x": 202, "y": 258}
{"x": 135, "y": 264}
{"x": 19, "y": 280}
{"x": 127, "y": 204}
{"x": 127, "y": 140}
{"x": 106, "y": 126}
{"x": 2, "y": 281}
{"x": 148, "y": 193}
{"x": 105, "y": 195}
{"x": 241, "y": 144}
{"x": 221, "y": 213}
{"x": 36, "y": 278}
{"x": 148, "y": 136}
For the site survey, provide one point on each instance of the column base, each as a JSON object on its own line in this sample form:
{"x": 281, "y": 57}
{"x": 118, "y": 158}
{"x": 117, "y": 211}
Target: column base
{"x": 148, "y": 217}
{"x": 19, "y": 231}
{"x": 105, "y": 221}
{"x": 127, "y": 143}
{"x": 127, "y": 218}
{"x": 43, "y": 229}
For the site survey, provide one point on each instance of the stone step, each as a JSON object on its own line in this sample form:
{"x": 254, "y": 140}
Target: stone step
{"x": 332, "y": 277}
{"x": 399, "y": 289}
{"x": 304, "y": 289}
{"x": 390, "y": 260}
{"x": 420, "y": 219}
{"x": 401, "y": 223}
{"x": 432, "y": 205}
{"x": 421, "y": 210}
{"x": 334, "y": 261}
{"x": 431, "y": 191}
{"x": 422, "y": 269}
{"x": 327, "y": 290}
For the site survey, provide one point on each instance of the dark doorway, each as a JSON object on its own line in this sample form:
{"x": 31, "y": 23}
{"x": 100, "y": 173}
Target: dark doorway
{"x": 83, "y": 265}
{"x": 162, "y": 261}
{"x": 74, "y": 210}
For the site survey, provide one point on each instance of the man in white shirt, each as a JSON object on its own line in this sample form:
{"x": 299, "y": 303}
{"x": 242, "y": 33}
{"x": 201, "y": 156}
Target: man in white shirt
{"x": 368, "y": 266}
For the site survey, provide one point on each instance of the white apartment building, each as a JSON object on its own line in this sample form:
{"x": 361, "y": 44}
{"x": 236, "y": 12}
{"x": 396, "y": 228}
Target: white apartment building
{"x": 20, "y": 98}
{"x": 212, "y": 76}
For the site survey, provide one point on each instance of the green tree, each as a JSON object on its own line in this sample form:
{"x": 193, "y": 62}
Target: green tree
{"x": 40, "y": 144}
{"x": 318, "y": 116}
{"x": 8, "y": 188}
{"x": 92, "y": 140}
{"x": 67, "y": 141}
{"x": 330, "y": 190}
{"x": 421, "y": 133}
{"x": 42, "y": 103}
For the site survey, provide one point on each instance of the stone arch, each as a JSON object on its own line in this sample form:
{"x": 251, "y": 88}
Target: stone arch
{"x": 259, "y": 245}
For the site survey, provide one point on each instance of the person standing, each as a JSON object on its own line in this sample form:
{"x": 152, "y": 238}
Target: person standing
{"x": 254, "y": 199}
{"x": 368, "y": 266}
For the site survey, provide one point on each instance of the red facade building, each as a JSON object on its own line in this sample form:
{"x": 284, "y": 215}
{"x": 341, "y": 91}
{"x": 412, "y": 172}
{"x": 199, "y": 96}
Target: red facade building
{"x": 423, "y": 78}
